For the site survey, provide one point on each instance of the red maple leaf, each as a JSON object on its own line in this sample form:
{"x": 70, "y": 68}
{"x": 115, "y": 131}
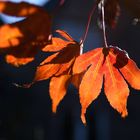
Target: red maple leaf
{"x": 114, "y": 65}
{"x": 58, "y": 67}
{"x": 22, "y": 40}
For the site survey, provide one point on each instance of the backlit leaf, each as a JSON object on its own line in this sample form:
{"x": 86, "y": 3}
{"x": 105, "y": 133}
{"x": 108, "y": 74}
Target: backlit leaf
{"x": 58, "y": 67}
{"x": 127, "y": 67}
{"x": 58, "y": 63}
{"x": 84, "y": 61}
{"x": 90, "y": 87}
{"x": 58, "y": 89}
{"x": 65, "y": 35}
{"x": 46, "y": 69}
{"x": 132, "y": 74}
{"x": 115, "y": 87}
{"x": 58, "y": 44}
{"x": 11, "y": 59}
{"x": 25, "y": 38}
{"x": 114, "y": 65}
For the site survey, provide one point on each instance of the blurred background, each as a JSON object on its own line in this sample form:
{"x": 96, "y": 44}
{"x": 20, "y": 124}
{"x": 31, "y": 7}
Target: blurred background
{"x": 25, "y": 114}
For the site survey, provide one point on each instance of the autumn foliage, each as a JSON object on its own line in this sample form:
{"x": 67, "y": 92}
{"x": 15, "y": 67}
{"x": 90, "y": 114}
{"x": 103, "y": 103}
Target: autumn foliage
{"x": 22, "y": 40}
{"x": 108, "y": 66}
{"x": 113, "y": 65}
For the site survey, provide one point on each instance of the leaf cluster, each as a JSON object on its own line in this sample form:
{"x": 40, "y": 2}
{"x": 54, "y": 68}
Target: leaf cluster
{"x": 110, "y": 66}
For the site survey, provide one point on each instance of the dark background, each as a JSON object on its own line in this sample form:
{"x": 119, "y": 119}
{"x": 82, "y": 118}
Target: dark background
{"x": 25, "y": 114}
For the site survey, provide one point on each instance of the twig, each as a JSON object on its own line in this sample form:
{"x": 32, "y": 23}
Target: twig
{"x": 103, "y": 23}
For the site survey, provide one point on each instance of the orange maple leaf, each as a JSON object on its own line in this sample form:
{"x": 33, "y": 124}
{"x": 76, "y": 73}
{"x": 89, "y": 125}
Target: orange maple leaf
{"x": 65, "y": 52}
{"x": 57, "y": 43}
{"x": 58, "y": 67}
{"x": 114, "y": 65}
{"x": 22, "y": 40}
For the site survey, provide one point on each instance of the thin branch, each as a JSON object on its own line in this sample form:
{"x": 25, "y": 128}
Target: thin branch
{"x": 89, "y": 21}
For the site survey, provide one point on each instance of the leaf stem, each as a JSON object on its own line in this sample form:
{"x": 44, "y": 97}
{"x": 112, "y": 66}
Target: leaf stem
{"x": 89, "y": 21}
{"x": 103, "y": 23}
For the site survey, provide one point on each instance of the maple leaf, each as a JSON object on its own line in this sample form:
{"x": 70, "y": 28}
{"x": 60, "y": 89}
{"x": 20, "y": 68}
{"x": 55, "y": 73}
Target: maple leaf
{"x": 58, "y": 67}
{"x": 114, "y": 65}
{"x": 22, "y": 40}
{"x": 63, "y": 58}
{"x": 57, "y": 43}
{"x": 57, "y": 89}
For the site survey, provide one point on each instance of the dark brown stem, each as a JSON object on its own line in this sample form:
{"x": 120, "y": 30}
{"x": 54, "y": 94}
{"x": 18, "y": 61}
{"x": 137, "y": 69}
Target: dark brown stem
{"x": 103, "y": 23}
